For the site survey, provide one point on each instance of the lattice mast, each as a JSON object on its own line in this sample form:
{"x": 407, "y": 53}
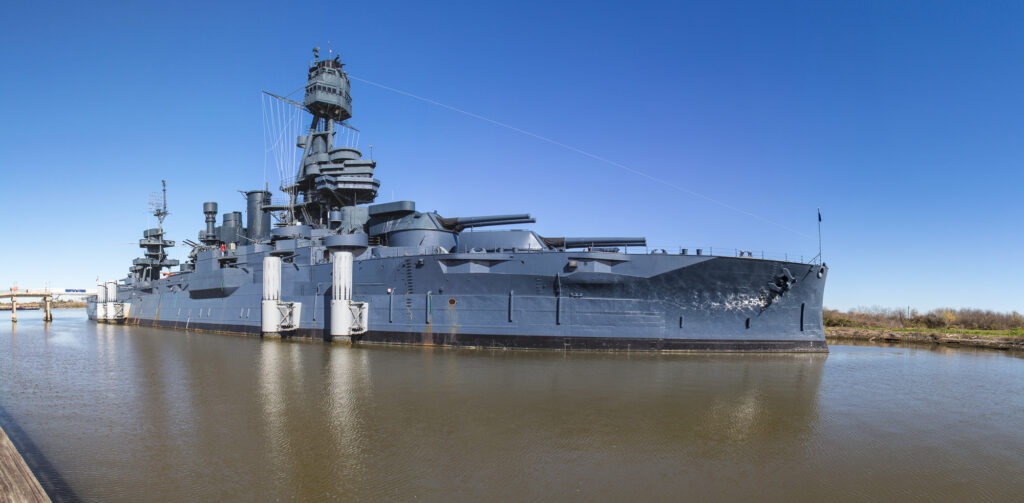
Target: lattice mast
{"x": 154, "y": 258}
{"x": 160, "y": 210}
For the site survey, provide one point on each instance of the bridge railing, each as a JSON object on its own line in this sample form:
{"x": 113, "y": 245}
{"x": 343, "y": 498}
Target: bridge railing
{"x": 47, "y": 292}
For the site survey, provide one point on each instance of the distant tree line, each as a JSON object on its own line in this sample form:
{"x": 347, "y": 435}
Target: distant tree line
{"x": 967, "y": 319}
{"x": 5, "y": 304}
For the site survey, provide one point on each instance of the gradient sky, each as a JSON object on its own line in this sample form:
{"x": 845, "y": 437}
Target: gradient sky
{"x": 901, "y": 120}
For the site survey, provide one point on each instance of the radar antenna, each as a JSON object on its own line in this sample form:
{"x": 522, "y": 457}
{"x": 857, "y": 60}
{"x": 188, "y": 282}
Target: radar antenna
{"x": 158, "y": 205}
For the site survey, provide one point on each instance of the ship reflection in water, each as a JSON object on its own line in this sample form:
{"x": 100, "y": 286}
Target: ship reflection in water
{"x": 117, "y": 413}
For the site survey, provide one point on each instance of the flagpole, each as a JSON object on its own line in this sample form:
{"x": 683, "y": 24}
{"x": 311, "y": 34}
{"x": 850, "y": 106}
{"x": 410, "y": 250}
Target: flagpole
{"x": 820, "y": 258}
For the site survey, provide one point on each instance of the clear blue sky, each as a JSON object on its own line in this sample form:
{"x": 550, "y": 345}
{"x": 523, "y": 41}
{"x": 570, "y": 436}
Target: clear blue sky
{"x": 902, "y": 120}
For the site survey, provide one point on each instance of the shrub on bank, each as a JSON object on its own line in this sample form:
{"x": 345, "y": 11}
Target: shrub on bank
{"x": 943, "y": 318}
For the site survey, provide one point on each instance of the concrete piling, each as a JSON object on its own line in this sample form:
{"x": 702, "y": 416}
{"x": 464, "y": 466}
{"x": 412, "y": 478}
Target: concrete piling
{"x": 270, "y": 322}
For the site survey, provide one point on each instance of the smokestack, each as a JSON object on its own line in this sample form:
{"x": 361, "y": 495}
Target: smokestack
{"x": 257, "y": 221}
{"x": 231, "y": 227}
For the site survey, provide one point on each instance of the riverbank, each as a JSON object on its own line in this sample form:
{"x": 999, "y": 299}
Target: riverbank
{"x": 17, "y": 484}
{"x": 991, "y": 339}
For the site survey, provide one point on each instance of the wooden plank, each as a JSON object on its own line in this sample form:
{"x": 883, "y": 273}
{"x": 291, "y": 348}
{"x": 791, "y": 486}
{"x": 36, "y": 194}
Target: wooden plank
{"x": 17, "y": 484}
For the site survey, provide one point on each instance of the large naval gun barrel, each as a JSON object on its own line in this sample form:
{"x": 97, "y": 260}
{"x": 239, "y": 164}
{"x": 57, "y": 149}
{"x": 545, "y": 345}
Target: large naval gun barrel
{"x": 593, "y": 242}
{"x": 459, "y": 223}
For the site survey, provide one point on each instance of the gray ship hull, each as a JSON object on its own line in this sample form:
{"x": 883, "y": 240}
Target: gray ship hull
{"x": 338, "y": 266}
{"x": 550, "y": 299}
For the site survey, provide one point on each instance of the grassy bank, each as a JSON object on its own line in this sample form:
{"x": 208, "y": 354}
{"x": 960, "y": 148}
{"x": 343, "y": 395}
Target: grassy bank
{"x": 944, "y": 320}
{"x": 990, "y": 339}
{"x": 945, "y": 331}
{"x": 961, "y": 327}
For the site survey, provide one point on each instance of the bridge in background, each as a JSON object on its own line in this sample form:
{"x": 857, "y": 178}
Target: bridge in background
{"x": 47, "y": 294}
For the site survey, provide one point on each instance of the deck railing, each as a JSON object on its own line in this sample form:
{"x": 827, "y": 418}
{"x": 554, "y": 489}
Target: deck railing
{"x": 720, "y": 251}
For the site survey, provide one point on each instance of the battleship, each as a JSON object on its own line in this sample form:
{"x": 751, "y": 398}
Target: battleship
{"x": 326, "y": 262}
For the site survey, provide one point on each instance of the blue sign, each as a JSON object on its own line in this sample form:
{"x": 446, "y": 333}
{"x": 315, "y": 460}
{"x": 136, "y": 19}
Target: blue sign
{"x": 74, "y": 290}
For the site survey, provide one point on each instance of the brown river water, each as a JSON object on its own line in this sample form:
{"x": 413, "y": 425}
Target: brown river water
{"x": 114, "y": 413}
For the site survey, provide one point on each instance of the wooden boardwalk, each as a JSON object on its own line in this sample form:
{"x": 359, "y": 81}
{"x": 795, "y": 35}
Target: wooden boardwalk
{"x": 17, "y": 484}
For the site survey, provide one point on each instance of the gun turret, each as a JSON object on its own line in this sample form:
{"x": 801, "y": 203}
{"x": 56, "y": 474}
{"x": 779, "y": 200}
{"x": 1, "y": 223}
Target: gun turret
{"x": 592, "y": 242}
{"x": 459, "y": 223}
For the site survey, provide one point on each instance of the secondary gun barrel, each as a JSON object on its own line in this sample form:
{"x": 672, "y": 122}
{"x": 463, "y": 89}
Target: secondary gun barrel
{"x": 459, "y": 223}
{"x": 592, "y": 242}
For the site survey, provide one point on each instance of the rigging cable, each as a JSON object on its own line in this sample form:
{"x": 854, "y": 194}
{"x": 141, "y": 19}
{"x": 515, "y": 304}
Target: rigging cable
{"x": 582, "y": 152}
